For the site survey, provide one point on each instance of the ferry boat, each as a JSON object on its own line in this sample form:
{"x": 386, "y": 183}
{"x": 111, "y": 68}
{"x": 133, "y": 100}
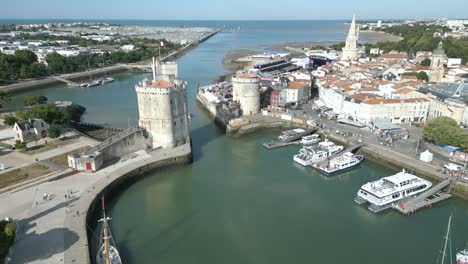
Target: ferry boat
{"x": 462, "y": 256}
{"x": 289, "y": 134}
{"x": 382, "y": 193}
{"x": 309, "y": 140}
{"x": 107, "y": 251}
{"x": 308, "y": 156}
{"x": 340, "y": 163}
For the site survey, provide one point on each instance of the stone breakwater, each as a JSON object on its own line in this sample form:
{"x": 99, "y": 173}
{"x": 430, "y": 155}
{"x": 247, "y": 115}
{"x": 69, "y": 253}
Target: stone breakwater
{"x": 76, "y": 221}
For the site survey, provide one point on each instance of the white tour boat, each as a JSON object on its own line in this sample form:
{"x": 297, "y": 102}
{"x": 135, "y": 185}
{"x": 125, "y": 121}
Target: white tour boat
{"x": 289, "y": 134}
{"x": 382, "y": 193}
{"x": 308, "y": 156}
{"x": 326, "y": 144}
{"x": 309, "y": 140}
{"x": 340, "y": 163}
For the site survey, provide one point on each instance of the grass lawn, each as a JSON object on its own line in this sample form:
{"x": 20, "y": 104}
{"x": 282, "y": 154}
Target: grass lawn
{"x": 63, "y": 160}
{"x": 52, "y": 144}
{"x": 23, "y": 174}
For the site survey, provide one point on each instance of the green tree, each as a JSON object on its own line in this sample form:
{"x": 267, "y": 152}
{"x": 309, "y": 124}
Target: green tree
{"x": 422, "y": 75}
{"x": 426, "y": 62}
{"x": 10, "y": 120}
{"x": 47, "y": 112}
{"x": 21, "y": 115}
{"x": 445, "y": 131}
{"x": 56, "y": 63}
{"x": 31, "y": 100}
{"x": 26, "y": 57}
{"x": 10, "y": 231}
{"x": 53, "y": 131}
{"x": 5, "y": 97}
{"x": 25, "y": 72}
{"x": 38, "y": 70}
{"x": 20, "y": 144}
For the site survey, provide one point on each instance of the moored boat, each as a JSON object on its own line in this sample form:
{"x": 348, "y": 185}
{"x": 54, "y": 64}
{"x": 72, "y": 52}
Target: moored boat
{"x": 309, "y": 140}
{"x": 462, "y": 256}
{"x": 289, "y": 134}
{"x": 106, "y": 80}
{"x": 382, "y": 193}
{"x": 341, "y": 163}
{"x": 326, "y": 143}
{"x": 308, "y": 156}
{"x": 94, "y": 83}
{"x": 107, "y": 251}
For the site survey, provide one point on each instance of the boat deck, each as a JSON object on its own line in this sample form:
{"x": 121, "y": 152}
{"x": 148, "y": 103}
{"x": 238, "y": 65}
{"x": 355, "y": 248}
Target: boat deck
{"x": 294, "y": 140}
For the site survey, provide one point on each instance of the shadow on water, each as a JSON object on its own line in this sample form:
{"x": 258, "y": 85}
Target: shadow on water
{"x": 203, "y": 135}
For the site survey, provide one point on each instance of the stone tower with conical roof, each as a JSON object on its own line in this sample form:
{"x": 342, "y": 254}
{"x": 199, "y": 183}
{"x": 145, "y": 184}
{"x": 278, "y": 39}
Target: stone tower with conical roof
{"x": 437, "y": 64}
{"x": 350, "y": 51}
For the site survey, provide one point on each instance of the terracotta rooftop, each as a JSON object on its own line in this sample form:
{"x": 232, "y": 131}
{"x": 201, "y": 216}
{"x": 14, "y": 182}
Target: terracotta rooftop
{"x": 362, "y": 97}
{"x": 409, "y": 77}
{"x": 296, "y": 85}
{"x": 404, "y": 91}
{"x": 161, "y": 84}
{"x": 402, "y": 56}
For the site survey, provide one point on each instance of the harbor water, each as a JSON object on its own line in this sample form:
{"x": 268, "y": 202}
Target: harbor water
{"x": 241, "y": 203}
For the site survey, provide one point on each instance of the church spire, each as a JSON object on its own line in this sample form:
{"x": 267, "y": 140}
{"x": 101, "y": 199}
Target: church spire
{"x": 350, "y": 51}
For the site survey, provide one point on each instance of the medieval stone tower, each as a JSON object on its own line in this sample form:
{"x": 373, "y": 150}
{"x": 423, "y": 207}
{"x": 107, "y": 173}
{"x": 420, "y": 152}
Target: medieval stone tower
{"x": 437, "y": 64}
{"x": 162, "y": 107}
{"x": 246, "y": 90}
{"x": 350, "y": 51}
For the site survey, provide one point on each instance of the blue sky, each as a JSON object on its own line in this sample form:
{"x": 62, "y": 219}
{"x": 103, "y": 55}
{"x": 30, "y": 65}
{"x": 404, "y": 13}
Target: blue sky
{"x": 231, "y": 9}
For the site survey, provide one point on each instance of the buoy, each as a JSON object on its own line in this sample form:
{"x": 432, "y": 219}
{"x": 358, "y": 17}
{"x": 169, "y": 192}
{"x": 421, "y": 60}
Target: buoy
{"x": 401, "y": 205}
{"x": 317, "y": 165}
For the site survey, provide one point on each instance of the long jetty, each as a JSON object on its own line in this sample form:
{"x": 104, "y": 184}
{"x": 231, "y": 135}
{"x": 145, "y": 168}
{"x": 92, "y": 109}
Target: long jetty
{"x": 426, "y": 199}
{"x": 68, "y": 82}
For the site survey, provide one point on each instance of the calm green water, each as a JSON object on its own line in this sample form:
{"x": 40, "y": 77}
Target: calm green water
{"x": 240, "y": 203}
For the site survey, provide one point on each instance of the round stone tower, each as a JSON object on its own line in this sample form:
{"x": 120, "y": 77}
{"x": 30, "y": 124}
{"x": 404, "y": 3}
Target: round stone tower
{"x": 162, "y": 106}
{"x": 245, "y": 89}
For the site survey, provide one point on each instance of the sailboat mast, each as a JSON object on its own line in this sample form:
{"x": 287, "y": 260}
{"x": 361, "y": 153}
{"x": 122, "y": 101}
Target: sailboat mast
{"x": 105, "y": 233}
{"x": 446, "y": 240}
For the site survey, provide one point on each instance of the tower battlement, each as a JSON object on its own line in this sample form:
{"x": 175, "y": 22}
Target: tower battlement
{"x": 162, "y": 107}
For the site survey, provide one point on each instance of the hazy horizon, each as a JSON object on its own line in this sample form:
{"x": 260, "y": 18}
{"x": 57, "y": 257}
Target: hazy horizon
{"x": 240, "y": 10}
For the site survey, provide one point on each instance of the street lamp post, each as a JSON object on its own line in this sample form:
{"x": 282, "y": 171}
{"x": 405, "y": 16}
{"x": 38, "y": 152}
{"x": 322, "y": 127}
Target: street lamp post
{"x": 417, "y": 147}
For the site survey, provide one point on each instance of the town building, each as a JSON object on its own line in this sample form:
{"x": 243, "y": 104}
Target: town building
{"x": 32, "y": 129}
